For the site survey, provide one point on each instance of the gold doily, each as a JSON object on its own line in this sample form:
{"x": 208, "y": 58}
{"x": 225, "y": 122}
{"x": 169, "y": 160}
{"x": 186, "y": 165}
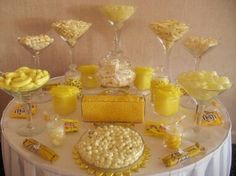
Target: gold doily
{"x": 127, "y": 171}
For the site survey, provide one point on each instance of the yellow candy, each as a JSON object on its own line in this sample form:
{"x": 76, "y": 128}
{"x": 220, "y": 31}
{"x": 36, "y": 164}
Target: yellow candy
{"x": 143, "y": 78}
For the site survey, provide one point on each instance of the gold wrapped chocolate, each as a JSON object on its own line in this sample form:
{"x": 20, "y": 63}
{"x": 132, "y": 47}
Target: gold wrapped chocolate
{"x": 178, "y": 156}
{"x": 71, "y": 125}
{"x": 20, "y": 112}
{"x": 113, "y": 108}
{"x": 211, "y": 118}
{"x": 157, "y": 129}
{"x": 40, "y": 149}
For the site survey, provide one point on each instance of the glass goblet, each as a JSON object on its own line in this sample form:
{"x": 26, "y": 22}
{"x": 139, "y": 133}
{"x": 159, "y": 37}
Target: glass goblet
{"x": 70, "y": 31}
{"x": 35, "y": 44}
{"x": 168, "y": 32}
{"x": 22, "y": 84}
{"x": 198, "y": 46}
{"x": 203, "y": 89}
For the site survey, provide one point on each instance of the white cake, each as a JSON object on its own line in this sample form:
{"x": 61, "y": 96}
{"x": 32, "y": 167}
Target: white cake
{"x": 111, "y": 147}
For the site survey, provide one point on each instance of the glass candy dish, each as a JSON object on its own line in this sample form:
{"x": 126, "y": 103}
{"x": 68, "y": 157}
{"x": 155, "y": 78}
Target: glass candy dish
{"x": 168, "y": 32}
{"x": 21, "y": 85}
{"x": 35, "y": 44}
{"x": 203, "y": 87}
{"x": 198, "y": 46}
{"x": 115, "y": 70}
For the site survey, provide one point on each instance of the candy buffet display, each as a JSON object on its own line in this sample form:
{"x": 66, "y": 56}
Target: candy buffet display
{"x": 64, "y": 99}
{"x": 102, "y": 104}
{"x": 198, "y": 46}
{"x": 168, "y": 32}
{"x": 115, "y": 70}
{"x": 113, "y": 108}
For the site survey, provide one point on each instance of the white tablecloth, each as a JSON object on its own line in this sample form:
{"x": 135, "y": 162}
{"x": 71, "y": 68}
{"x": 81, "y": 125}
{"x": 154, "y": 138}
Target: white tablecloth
{"x": 20, "y": 162}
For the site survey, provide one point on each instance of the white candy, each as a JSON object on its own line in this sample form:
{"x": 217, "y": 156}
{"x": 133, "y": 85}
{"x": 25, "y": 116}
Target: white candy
{"x": 112, "y": 147}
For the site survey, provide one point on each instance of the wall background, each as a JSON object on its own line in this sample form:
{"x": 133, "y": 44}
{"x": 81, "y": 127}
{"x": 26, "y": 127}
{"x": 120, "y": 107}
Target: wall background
{"x": 216, "y": 18}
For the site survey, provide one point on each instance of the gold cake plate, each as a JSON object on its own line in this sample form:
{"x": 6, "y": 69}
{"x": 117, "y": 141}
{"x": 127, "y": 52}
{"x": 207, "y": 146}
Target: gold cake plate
{"x": 125, "y": 171}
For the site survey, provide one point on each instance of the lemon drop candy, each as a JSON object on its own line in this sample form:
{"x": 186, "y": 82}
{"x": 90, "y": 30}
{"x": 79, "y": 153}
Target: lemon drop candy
{"x": 166, "y": 99}
{"x": 88, "y": 76}
{"x": 143, "y": 78}
{"x": 64, "y": 99}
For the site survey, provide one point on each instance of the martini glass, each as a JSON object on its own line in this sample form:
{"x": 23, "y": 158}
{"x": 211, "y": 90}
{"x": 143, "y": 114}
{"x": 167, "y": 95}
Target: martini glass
{"x": 70, "y": 31}
{"x": 168, "y": 32}
{"x": 35, "y": 44}
{"x": 115, "y": 69}
{"x": 198, "y": 46}
{"x": 203, "y": 96}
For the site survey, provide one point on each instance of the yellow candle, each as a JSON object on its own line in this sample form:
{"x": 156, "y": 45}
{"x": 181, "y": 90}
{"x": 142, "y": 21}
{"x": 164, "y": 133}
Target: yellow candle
{"x": 166, "y": 99}
{"x": 88, "y": 76}
{"x": 143, "y": 78}
{"x": 64, "y": 99}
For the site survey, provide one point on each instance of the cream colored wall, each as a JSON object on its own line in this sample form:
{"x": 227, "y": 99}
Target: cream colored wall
{"x": 216, "y": 18}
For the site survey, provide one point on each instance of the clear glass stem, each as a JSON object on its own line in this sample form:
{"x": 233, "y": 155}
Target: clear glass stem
{"x": 72, "y": 55}
{"x": 29, "y": 110}
{"x": 117, "y": 43}
{"x": 167, "y": 68}
{"x": 36, "y": 60}
{"x": 197, "y": 63}
{"x": 198, "y": 116}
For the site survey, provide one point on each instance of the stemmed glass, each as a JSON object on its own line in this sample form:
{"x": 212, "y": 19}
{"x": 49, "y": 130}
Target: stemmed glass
{"x": 115, "y": 63}
{"x": 23, "y": 93}
{"x": 168, "y": 32}
{"x": 35, "y": 44}
{"x": 70, "y": 31}
{"x": 203, "y": 87}
{"x": 198, "y": 46}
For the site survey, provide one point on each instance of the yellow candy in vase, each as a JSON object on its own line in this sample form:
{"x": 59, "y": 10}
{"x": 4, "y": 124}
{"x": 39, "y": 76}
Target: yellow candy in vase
{"x": 64, "y": 99}
{"x": 143, "y": 78}
{"x": 167, "y": 99}
{"x": 173, "y": 137}
{"x": 88, "y": 76}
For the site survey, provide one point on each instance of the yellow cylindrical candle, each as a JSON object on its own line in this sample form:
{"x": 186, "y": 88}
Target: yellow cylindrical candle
{"x": 166, "y": 99}
{"x": 143, "y": 78}
{"x": 88, "y": 76}
{"x": 64, "y": 99}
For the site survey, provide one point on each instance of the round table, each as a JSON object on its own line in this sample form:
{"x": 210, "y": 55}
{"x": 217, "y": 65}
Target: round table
{"x": 18, "y": 161}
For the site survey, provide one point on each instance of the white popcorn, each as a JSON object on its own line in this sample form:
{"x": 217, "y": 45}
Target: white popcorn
{"x": 119, "y": 153}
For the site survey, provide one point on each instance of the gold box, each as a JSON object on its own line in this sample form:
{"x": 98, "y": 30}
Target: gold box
{"x": 113, "y": 108}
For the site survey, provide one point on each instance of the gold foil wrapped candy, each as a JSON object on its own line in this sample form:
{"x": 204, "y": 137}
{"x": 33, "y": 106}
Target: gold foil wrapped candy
{"x": 39, "y": 149}
{"x": 179, "y": 156}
